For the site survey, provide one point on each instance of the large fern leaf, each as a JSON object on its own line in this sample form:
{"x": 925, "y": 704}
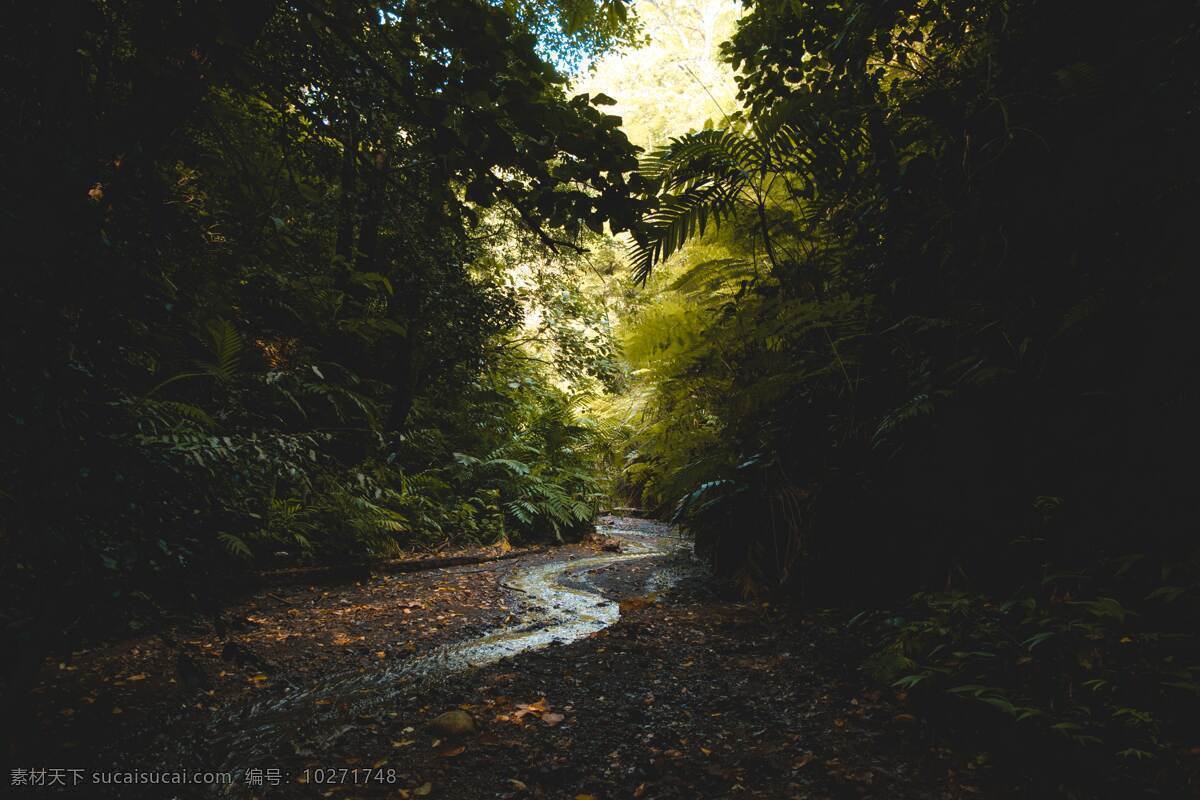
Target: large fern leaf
{"x": 225, "y": 344}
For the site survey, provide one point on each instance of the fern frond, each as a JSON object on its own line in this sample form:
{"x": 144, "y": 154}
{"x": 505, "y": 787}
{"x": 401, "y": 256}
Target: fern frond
{"x": 235, "y": 545}
{"x": 714, "y": 273}
{"x": 225, "y": 344}
{"x": 679, "y": 218}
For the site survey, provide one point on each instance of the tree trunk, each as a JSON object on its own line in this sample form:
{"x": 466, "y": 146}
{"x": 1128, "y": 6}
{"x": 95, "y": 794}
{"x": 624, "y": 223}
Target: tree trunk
{"x": 368, "y": 247}
{"x": 346, "y": 204}
{"x": 407, "y": 375}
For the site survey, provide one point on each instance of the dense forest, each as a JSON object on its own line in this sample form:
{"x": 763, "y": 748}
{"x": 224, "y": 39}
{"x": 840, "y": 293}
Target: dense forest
{"x": 885, "y": 304}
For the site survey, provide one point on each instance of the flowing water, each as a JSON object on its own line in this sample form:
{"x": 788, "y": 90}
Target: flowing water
{"x": 559, "y": 605}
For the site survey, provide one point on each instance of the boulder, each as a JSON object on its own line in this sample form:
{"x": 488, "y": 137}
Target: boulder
{"x": 453, "y": 725}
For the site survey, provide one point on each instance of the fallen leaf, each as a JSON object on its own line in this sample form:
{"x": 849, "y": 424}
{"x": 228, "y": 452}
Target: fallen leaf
{"x": 530, "y": 708}
{"x": 451, "y": 752}
{"x": 551, "y": 718}
{"x": 520, "y": 786}
{"x": 636, "y": 603}
{"x": 423, "y": 790}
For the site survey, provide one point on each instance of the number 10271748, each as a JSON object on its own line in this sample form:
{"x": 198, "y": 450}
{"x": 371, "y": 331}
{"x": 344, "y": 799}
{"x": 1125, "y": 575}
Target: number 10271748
{"x": 362, "y": 775}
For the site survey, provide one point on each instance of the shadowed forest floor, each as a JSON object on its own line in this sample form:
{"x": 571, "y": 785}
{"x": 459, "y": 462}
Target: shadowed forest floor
{"x": 687, "y": 695}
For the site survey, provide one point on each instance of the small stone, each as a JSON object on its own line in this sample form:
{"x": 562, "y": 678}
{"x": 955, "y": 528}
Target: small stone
{"x": 453, "y": 724}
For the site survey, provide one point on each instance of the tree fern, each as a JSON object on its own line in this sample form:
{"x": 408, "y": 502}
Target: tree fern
{"x": 708, "y": 175}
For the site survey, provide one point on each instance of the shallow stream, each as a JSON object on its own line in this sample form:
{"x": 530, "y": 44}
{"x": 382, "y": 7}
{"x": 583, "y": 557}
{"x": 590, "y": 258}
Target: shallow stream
{"x": 559, "y": 604}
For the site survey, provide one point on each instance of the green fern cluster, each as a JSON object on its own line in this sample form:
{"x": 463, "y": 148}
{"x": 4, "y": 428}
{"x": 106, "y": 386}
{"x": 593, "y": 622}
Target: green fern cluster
{"x": 1070, "y": 671}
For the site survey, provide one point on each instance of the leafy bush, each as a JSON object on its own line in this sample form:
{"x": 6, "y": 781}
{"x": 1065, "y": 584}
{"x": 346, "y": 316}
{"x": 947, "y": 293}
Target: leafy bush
{"x": 1069, "y": 686}
{"x": 276, "y": 274}
{"x": 906, "y": 305}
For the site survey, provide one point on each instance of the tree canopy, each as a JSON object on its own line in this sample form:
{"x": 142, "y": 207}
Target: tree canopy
{"x": 253, "y": 304}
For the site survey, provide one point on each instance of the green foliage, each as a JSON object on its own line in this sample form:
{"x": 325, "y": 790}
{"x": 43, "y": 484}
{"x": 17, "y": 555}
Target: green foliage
{"x": 269, "y": 313}
{"x": 572, "y": 32}
{"x": 913, "y": 326}
{"x": 917, "y": 316}
{"x": 544, "y": 478}
{"x": 1068, "y": 684}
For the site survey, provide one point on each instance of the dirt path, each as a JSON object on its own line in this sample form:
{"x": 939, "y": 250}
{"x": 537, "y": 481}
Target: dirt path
{"x": 584, "y": 673}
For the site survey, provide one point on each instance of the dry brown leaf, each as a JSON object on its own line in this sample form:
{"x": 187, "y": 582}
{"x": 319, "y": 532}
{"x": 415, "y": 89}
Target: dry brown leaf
{"x": 530, "y": 708}
{"x": 637, "y": 603}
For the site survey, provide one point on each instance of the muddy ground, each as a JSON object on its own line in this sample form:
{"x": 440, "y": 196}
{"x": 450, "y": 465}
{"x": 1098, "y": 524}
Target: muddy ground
{"x": 688, "y": 695}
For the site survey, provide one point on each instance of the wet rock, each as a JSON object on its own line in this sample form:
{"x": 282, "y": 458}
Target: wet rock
{"x": 244, "y": 657}
{"x": 453, "y": 724}
{"x": 191, "y": 676}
